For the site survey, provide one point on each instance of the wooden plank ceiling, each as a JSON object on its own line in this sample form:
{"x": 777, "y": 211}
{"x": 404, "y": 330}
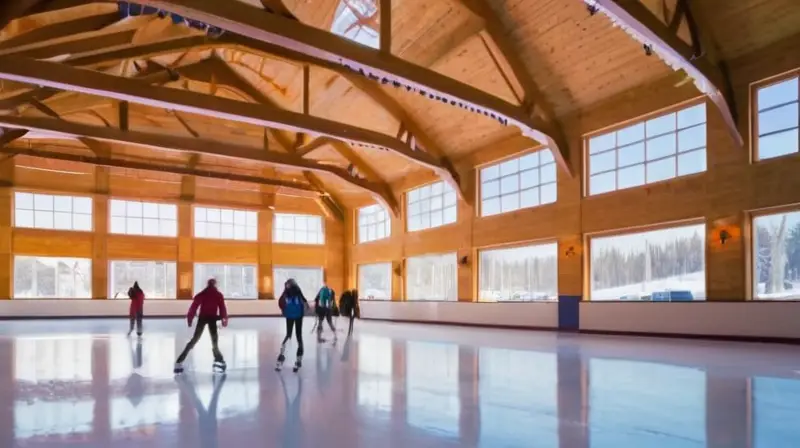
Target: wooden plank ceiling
{"x": 337, "y": 133}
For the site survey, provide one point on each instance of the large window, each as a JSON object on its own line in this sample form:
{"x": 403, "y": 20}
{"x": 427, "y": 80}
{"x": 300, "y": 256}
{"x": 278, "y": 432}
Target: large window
{"x": 522, "y": 182}
{"x": 657, "y": 149}
{"x": 225, "y": 224}
{"x": 519, "y": 273}
{"x": 777, "y": 122}
{"x": 298, "y": 229}
{"x": 358, "y": 20}
{"x": 628, "y": 409}
{"x": 158, "y": 279}
{"x": 659, "y": 265}
{"x": 52, "y": 278}
{"x": 235, "y": 281}
{"x": 375, "y": 281}
{"x": 515, "y": 405}
{"x": 432, "y": 277}
{"x": 776, "y": 256}
{"x": 431, "y": 206}
{"x": 143, "y": 218}
{"x": 309, "y": 279}
{"x": 46, "y": 211}
{"x": 373, "y": 223}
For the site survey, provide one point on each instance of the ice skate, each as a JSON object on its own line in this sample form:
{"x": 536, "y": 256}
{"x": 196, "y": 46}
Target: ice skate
{"x": 279, "y": 363}
{"x": 178, "y": 368}
{"x": 220, "y": 367}
{"x": 297, "y": 364}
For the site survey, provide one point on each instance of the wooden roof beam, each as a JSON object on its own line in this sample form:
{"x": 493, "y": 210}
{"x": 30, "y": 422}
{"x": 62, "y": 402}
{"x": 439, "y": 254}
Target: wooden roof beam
{"x": 131, "y": 164}
{"x": 512, "y": 68}
{"x": 313, "y": 145}
{"x": 61, "y": 30}
{"x": 648, "y": 29}
{"x": 244, "y": 20}
{"x": 59, "y": 76}
{"x": 176, "y": 143}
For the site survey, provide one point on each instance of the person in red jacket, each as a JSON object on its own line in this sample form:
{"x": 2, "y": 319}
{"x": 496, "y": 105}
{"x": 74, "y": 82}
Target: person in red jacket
{"x": 136, "y": 312}
{"x": 211, "y": 305}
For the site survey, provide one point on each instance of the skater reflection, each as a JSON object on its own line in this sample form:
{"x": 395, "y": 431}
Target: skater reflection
{"x": 206, "y": 416}
{"x": 136, "y": 355}
{"x": 135, "y": 387}
{"x": 292, "y": 435}
{"x": 346, "y": 349}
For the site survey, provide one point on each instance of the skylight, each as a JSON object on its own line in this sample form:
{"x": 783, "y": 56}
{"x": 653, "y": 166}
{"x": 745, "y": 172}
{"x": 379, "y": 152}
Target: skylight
{"x": 357, "y": 20}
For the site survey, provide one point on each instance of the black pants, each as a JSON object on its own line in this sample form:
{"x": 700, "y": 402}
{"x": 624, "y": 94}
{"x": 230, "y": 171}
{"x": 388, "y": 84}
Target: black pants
{"x": 137, "y": 318}
{"x": 324, "y": 314}
{"x": 297, "y": 325}
{"x": 202, "y": 322}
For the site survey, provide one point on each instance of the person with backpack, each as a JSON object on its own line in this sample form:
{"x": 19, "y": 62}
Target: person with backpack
{"x": 349, "y": 307}
{"x": 136, "y": 310}
{"x": 293, "y": 307}
{"x": 211, "y": 305}
{"x": 324, "y": 304}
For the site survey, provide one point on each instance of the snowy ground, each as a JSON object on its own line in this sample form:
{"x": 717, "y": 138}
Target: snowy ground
{"x": 694, "y": 282}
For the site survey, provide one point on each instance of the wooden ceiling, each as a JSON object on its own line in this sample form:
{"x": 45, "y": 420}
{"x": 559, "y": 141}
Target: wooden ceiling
{"x": 273, "y": 107}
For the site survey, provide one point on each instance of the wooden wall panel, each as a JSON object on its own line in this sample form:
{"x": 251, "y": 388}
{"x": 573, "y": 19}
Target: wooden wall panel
{"x": 52, "y": 243}
{"x": 126, "y": 247}
{"x": 220, "y": 251}
{"x": 298, "y": 255}
{"x": 53, "y": 181}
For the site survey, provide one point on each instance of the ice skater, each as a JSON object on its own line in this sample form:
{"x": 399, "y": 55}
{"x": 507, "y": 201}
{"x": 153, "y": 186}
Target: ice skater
{"x": 136, "y": 311}
{"x": 212, "y": 308}
{"x": 323, "y": 305}
{"x": 349, "y": 308}
{"x": 293, "y": 306}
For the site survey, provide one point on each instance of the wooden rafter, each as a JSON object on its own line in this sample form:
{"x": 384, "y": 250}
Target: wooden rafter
{"x": 131, "y": 164}
{"x": 244, "y": 20}
{"x": 10, "y": 10}
{"x": 175, "y": 143}
{"x": 74, "y": 43}
{"x": 61, "y": 30}
{"x": 709, "y": 77}
{"x": 58, "y": 76}
{"x": 511, "y": 66}
{"x": 313, "y": 145}
{"x": 385, "y": 33}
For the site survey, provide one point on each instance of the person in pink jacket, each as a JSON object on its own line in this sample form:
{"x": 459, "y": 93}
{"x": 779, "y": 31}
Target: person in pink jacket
{"x": 209, "y": 306}
{"x": 136, "y": 311}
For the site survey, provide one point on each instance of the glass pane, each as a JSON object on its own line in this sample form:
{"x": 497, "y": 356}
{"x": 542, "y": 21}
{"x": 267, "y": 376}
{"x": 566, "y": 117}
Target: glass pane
{"x": 425, "y": 192}
{"x": 450, "y": 198}
{"x": 43, "y": 219}
{"x": 603, "y": 183}
{"x": 490, "y": 207}
{"x": 62, "y": 221}
{"x": 778, "y": 119}
{"x": 240, "y": 217}
{"x": 82, "y": 222}
{"x": 782, "y": 92}
{"x": 529, "y": 198}
{"x": 82, "y": 205}
{"x": 200, "y": 214}
{"x": 661, "y": 125}
{"x": 150, "y": 227}
{"x": 692, "y": 138}
{"x": 631, "y": 155}
{"x": 133, "y": 225}
{"x": 631, "y": 134}
{"x": 432, "y": 277}
{"x": 602, "y": 142}
{"x": 239, "y": 232}
{"x": 529, "y": 161}
{"x": 776, "y": 145}
{"x": 547, "y": 173}
{"x": 602, "y": 162}
{"x": 43, "y": 202}
{"x": 488, "y": 190}
{"x": 23, "y": 218}
{"x": 645, "y": 272}
{"x": 500, "y": 277}
{"x": 227, "y": 216}
{"x": 437, "y": 188}
{"x": 509, "y": 184}
{"x": 168, "y": 227}
{"x": 509, "y": 202}
{"x": 213, "y": 215}
{"x": 134, "y": 209}
{"x": 62, "y": 203}
{"x": 692, "y": 116}
{"x": 692, "y": 162}
{"x": 776, "y": 242}
{"x": 425, "y": 221}
{"x": 436, "y": 219}
{"x": 414, "y": 222}
{"x": 529, "y": 179}
{"x": 117, "y": 208}
{"x": 413, "y": 195}
{"x": 450, "y": 215}
{"x": 661, "y": 170}
{"x": 200, "y": 230}
{"x": 149, "y": 210}
{"x": 661, "y": 147}
{"x": 546, "y": 156}
{"x": 631, "y": 177}
{"x": 213, "y": 230}
{"x": 252, "y": 233}
{"x": 167, "y": 211}
{"x": 549, "y": 193}
{"x": 226, "y": 231}
{"x": 509, "y": 167}
{"x": 489, "y": 173}
{"x": 24, "y": 201}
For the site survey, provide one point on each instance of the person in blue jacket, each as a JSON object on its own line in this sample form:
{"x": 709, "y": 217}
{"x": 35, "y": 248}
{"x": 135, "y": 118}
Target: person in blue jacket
{"x": 293, "y": 306}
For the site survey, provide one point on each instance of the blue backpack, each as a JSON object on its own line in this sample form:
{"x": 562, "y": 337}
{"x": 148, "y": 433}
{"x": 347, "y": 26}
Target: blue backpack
{"x": 295, "y": 308}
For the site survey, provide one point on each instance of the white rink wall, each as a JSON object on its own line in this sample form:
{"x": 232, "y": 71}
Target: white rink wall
{"x": 531, "y": 315}
{"x": 45, "y": 308}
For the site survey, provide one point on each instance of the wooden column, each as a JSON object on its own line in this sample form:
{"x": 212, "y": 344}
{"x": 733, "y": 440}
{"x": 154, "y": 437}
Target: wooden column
{"x": 265, "y": 218}
{"x": 185, "y": 239}
{"x": 6, "y": 228}
{"x": 725, "y": 262}
{"x": 466, "y": 271}
{"x": 100, "y": 235}
{"x": 398, "y": 284}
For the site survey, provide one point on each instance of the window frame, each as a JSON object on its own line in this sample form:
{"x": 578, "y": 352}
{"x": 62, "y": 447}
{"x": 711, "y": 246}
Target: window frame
{"x": 515, "y": 245}
{"x": 142, "y": 201}
{"x": 478, "y": 181}
{"x": 642, "y": 119}
{"x": 754, "y": 112}
{"x": 221, "y": 209}
{"x": 275, "y": 228}
{"x": 56, "y": 296}
{"x": 407, "y": 206}
{"x": 750, "y": 266}
{"x": 587, "y": 252}
{"x": 387, "y": 223}
{"x": 49, "y": 193}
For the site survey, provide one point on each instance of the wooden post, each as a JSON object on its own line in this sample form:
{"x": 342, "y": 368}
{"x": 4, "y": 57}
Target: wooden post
{"x": 265, "y": 218}
{"x": 6, "y": 228}
{"x": 386, "y": 26}
{"x": 185, "y": 239}
{"x": 100, "y": 234}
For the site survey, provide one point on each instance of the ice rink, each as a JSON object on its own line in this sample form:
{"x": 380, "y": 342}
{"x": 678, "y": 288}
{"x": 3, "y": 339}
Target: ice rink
{"x": 82, "y": 383}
